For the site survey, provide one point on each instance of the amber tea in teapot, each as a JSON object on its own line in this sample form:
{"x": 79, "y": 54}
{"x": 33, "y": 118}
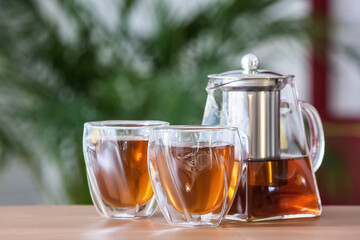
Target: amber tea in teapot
{"x": 276, "y": 187}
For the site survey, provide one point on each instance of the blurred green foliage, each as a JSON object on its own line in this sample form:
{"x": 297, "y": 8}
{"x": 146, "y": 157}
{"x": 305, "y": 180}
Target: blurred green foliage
{"x": 60, "y": 68}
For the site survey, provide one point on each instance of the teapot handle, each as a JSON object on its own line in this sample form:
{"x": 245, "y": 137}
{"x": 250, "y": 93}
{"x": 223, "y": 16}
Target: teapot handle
{"x": 317, "y": 139}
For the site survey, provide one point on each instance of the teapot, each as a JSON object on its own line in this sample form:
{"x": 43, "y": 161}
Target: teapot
{"x": 279, "y": 158}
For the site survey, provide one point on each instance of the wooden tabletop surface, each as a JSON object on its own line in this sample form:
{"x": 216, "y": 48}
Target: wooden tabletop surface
{"x": 83, "y": 222}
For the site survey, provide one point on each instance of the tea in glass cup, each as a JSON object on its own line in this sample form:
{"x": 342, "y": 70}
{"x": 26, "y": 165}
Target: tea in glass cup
{"x": 116, "y": 162}
{"x": 194, "y": 171}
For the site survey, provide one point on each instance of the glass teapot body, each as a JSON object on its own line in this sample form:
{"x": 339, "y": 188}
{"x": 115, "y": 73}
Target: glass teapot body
{"x": 278, "y": 166}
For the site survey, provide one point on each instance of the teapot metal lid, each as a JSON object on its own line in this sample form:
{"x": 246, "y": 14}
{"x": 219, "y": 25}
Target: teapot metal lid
{"x": 249, "y": 77}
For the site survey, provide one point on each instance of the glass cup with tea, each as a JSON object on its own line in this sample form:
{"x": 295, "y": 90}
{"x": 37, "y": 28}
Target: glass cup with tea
{"x": 194, "y": 171}
{"x": 116, "y": 165}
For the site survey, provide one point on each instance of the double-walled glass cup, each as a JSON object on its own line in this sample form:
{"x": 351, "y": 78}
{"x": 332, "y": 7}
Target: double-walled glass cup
{"x": 194, "y": 171}
{"x": 116, "y": 164}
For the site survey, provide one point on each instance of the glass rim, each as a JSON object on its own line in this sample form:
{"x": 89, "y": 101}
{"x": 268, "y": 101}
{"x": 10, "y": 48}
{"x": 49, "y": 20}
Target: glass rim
{"x": 195, "y": 128}
{"x": 125, "y": 124}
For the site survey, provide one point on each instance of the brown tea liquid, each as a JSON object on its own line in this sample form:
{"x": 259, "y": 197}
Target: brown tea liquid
{"x": 193, "y": 177}
{"x": 270, "y": 188}
{"x": 120, "y": 169}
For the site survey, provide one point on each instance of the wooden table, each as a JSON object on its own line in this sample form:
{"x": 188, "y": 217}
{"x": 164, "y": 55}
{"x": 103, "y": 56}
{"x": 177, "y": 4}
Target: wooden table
{"x": 83, "y": 222}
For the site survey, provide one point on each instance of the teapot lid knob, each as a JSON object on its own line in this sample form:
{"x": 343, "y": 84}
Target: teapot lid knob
{"x": 250, "y": 62}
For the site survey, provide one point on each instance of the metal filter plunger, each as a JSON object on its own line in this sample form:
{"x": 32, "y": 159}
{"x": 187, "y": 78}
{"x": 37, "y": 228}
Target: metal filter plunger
{"x": 256, "y": 94}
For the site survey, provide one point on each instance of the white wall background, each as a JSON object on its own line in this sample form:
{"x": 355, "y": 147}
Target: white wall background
{"x": 344, "y": 94}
